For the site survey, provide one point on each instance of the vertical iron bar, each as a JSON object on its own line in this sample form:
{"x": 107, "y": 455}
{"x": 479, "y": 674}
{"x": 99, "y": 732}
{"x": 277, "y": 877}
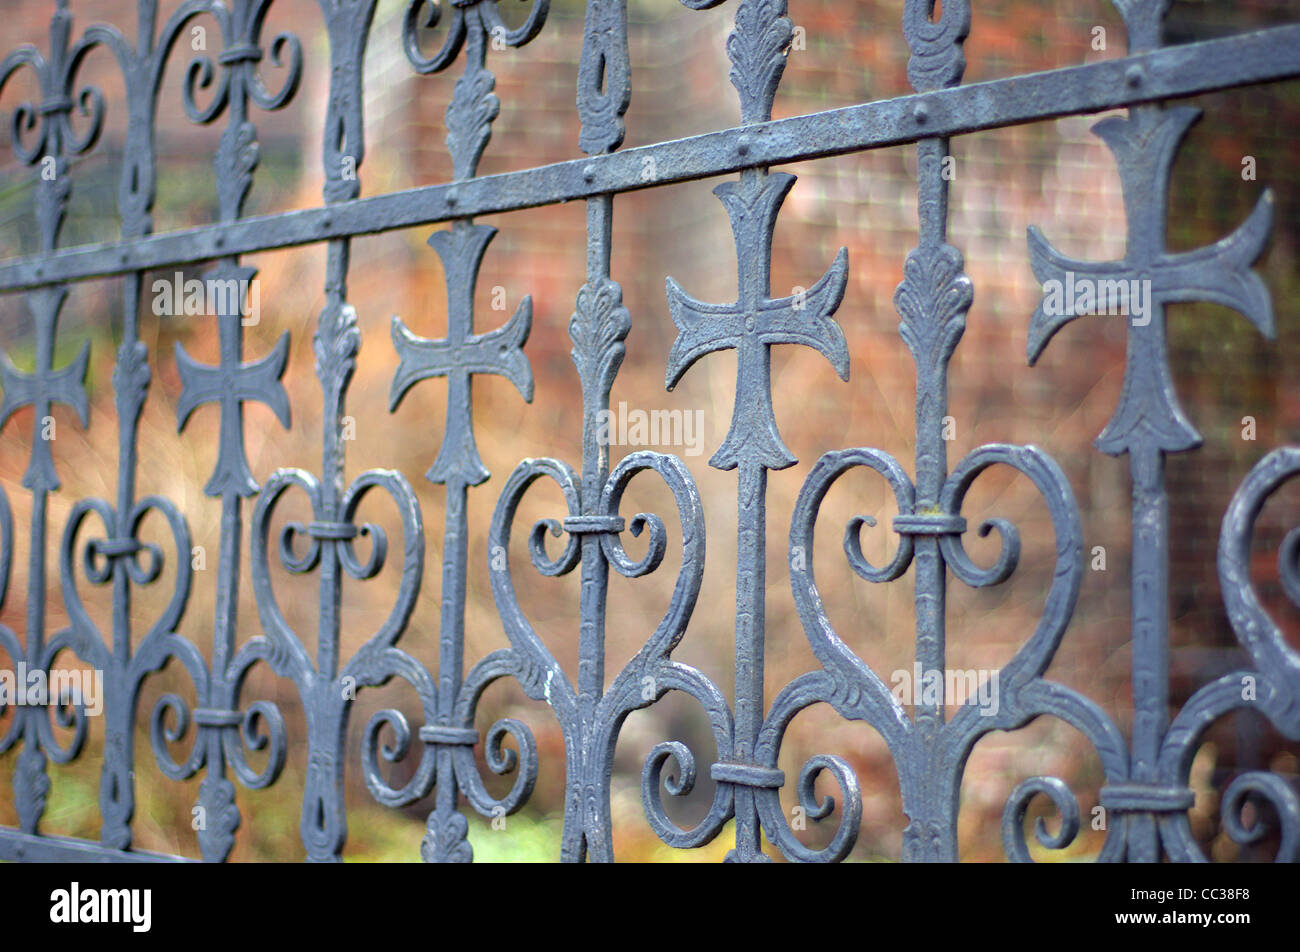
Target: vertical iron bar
{"x": 459, "y": 357}
{"x": 595, "y": 568}
{"x": 751, "y": 626}
{"x": 938, "y": 294}
{"x": 40, "y": 389}
{"x": 1150, "y": 608}
{"x": 131, "y": 381}
{"x": 931, "y": 450}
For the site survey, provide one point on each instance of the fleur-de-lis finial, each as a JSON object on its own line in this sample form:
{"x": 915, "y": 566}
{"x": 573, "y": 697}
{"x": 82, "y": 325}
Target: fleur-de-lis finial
{"x": 473, "y": 106}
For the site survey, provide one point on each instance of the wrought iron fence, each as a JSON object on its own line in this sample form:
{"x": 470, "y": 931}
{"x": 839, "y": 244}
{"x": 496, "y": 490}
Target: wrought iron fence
{"x": 1146, "y": 776}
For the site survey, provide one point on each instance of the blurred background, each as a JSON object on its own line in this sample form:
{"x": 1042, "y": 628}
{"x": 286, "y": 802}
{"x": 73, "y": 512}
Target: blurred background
{"x": 1054, "y": 174}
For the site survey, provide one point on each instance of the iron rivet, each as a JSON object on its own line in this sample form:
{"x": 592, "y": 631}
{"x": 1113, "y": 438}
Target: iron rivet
{"x": 1134, "y": 76}
{"x": 749, "y": 323}
{"x": 589, "y": 174}
{"x": 742, "y": 145}
{"x": 920, "y": 114}
{"x": 452, "y": 197}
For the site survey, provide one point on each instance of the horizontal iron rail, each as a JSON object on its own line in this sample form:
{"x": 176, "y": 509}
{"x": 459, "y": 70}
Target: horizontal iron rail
{"x": 25, "y": 847}
{"x": 1170, "y": 73}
